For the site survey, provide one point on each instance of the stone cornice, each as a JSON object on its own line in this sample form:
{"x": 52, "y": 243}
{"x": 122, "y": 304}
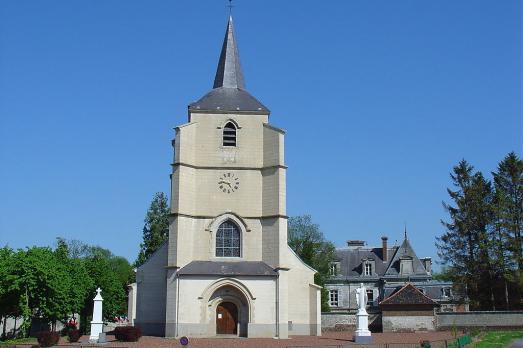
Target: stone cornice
{"x": 243, "y": 217}
{"x": 181, "y": 164}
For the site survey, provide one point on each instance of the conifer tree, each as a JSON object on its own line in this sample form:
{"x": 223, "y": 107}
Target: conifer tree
{"x": 466, "y": 244}
{"x": 508, "y": 181}
{"x": 156, "y": 227}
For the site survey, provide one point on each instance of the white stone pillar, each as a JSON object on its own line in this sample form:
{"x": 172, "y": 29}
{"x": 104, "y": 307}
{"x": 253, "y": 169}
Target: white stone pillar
{"x": 97, "y": 323}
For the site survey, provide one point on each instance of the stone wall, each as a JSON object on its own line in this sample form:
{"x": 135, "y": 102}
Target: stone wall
{"x": 498, "y": 319}
{"x": 408, "y": 323}
{"x": 337, "y": 322}
{"x": 346, "y": 321}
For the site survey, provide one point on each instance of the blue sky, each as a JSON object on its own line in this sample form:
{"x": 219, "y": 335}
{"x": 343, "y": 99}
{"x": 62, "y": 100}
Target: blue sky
{"x": 379, "y": 99}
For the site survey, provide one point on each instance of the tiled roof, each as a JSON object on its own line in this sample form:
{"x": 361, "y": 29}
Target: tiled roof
{"x": 408, "y": 295}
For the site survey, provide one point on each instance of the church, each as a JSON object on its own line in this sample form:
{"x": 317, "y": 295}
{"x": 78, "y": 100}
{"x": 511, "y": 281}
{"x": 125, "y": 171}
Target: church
{"x": 227, "y": 268}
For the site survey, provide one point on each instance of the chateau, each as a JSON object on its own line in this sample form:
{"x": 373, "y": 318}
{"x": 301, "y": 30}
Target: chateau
{"x": 227, "y": 268}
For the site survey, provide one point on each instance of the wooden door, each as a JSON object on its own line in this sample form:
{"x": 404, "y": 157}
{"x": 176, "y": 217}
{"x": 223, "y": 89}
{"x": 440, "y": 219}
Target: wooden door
{"x": 226, "y": 319}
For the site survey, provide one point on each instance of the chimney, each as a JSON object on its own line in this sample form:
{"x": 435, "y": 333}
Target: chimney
{"x": 427, "y": 263}
{"x": 355, "y": 244}
{"x": 384, "y": 247}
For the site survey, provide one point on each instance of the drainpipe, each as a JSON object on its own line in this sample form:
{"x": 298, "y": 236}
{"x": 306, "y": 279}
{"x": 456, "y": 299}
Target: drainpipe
{"x": 177, "y": 303}
{"x": 278, "y": 305}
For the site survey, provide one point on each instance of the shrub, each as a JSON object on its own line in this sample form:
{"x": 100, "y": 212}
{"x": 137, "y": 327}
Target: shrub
{"x": 48, "y": 338}
{"x": 425, "y": 344}
{"x": 73, "y": 335}
{"x": 127, "y": 333}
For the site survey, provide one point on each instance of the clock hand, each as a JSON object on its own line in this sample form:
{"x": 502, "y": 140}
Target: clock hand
{"x": 225, "y": 182}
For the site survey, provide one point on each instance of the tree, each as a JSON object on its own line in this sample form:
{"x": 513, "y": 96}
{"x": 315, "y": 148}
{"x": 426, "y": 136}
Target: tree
{"x": 155, "y": 229}
{"x": 81, "y": 281}
{"x": 508, "y": 225}
{"x": 8, "y": 296}
{"x": 308, "y": 242}
{"x": 42, "y": 284}
{"x": 508, "y": 182}
{"x": 466, "y": 244}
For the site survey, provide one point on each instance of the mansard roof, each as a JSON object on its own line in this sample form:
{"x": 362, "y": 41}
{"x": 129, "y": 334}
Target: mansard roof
{"x": 229, "y": 93}
{"x": 351, "y": 262}
{"x": 228, "y": 268}
{"x": 408, "y": 295}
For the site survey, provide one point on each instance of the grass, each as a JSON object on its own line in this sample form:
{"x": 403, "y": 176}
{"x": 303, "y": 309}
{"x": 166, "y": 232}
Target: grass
{"x": 18, "y": 341}
{"x": 499, "y": 339}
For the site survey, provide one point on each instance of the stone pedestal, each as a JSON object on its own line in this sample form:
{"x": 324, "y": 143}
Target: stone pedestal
{"x": 97, "y": 323}
{"x": 362, "y": 334}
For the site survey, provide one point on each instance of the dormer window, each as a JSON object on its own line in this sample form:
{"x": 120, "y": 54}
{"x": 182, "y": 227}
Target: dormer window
{"x": 229, "y": 134}
{"x": 406, "y": 266}
{"x": 368, "y": 269}
{"x": 334, "y": 269}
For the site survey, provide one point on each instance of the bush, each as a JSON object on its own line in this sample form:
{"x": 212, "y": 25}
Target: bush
{"x": 73, "y": 335}
{"x": 48, "y": 338}
{"x": 127, "y": 333}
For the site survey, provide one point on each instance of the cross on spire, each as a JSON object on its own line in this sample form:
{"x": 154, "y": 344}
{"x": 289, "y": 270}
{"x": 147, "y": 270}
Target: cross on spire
{"x": 230, "y": 6}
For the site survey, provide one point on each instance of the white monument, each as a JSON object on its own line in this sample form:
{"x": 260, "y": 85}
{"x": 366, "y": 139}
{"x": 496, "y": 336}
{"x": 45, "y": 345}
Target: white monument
{"x": 362, "y": 334}
{"x": 97, "y": 323}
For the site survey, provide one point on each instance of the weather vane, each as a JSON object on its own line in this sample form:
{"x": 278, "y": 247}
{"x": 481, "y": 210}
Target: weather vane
{"x": 230, "y": 6}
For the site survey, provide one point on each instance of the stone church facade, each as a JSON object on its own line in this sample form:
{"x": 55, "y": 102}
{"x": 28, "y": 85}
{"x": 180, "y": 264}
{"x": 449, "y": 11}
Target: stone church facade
{"x": 227, "y": 268}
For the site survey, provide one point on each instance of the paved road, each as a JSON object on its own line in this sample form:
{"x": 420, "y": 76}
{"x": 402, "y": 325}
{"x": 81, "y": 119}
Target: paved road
{"x": 517, "y": 344}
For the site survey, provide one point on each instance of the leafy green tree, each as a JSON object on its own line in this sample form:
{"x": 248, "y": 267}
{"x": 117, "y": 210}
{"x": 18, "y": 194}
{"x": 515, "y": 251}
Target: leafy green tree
{"x": 43, "y": 285}
{"x": 308, "y": 242}
{"x": 81, "y": 281}
{"x": 113, "y": 293}
{"x": 9, "y": 297}
{"x": 156, "y": 228}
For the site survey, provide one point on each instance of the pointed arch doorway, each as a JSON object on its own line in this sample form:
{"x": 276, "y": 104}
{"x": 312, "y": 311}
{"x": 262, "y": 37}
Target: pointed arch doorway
{"x": 226, "y": 319}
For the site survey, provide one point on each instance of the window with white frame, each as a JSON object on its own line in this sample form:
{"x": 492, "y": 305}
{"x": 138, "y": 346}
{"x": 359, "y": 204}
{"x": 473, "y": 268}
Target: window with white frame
{"x": 370, "y": 297}
{"x": 368, "y": 269}
{"x": 334, "y": 268}
{"x": 333, "y": 298}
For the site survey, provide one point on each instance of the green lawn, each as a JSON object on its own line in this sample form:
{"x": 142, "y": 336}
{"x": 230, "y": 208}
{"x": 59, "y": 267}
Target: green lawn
{"x": 497, "y": 339}
{"x": 18, "y": 340}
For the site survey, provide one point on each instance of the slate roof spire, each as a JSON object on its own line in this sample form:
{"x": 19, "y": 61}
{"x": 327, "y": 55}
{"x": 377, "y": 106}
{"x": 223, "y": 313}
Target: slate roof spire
{"x": 229, "y": 72}
{"x": 228, "y": 94}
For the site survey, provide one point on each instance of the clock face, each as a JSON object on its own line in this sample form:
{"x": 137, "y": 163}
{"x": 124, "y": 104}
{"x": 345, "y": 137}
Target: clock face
{"x": 228, "y": 183}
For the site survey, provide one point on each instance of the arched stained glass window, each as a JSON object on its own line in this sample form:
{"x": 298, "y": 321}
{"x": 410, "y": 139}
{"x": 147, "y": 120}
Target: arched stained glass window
{"x": 228, "y": 240}
{"x": 229, "y": 134}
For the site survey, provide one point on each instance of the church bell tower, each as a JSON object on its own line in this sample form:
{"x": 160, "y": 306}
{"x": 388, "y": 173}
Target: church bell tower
{"x": 227, "y": 268}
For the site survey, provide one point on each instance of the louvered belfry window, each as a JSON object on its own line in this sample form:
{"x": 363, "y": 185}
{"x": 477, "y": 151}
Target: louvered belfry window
{"x": 229, "y": 134}
{"x": 228, "y": 240}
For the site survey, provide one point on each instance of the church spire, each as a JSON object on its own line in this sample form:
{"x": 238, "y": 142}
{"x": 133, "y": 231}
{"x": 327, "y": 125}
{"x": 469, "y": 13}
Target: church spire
{"x": 229, "y": 73}
{"x": 228, "y": 93}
